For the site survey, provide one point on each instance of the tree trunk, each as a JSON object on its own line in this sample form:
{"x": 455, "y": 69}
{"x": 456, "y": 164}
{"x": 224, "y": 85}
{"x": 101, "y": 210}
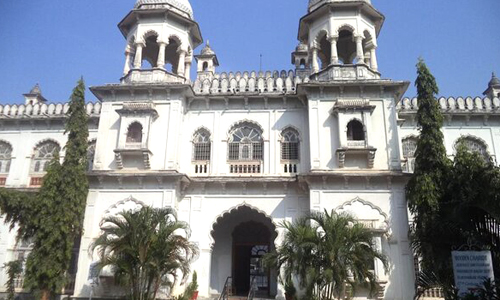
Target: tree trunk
{"x": 45, "y": 295}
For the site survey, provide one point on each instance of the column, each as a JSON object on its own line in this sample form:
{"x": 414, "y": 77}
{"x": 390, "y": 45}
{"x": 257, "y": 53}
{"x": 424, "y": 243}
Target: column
{"x": 161, "y": 55}
{"x": 128, "y": 55}
{"x": 187, "y": 72}
{"x": 373, "y": 56}
{"x": 181, "y": 64}
{"x": 315, "y": 66}
{"x": 359, "y": 50}
{"x": 138, "y": 55}
{"x": 335, "y": 56}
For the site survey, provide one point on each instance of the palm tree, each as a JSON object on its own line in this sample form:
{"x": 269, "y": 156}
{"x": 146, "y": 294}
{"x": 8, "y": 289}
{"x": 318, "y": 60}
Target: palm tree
{"x": 327, "y": 253}
{"x": 146, "y": 249}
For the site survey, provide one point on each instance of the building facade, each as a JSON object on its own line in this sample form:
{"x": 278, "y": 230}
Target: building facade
{"x": 237, "y": 153}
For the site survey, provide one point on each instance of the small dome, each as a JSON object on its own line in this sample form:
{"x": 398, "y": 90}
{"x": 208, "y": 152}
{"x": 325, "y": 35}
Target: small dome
{"x": 181, "y": 6}
{"x": 313, "y": 4}
{"x": 494, "y": 80}
{"x": 207, "y": 50}
{"x": 301, "y": 48}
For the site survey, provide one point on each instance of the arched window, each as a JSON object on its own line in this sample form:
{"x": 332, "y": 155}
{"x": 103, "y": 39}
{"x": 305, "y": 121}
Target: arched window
{"x": 90, "y": 155}
{"x": 409, "y": 149}
{"x": 134, "y": 133}
{"x": 290, "y": 144}
{"x": 5, "y": 157}
{"x": 44, "y": 153}
{"x": 474, "y": 145}
{"x": 246, "y": 143}
{"x": 205, "y": 66}
{"x": 201, "y": 145}
{"x": 355, "y": 131}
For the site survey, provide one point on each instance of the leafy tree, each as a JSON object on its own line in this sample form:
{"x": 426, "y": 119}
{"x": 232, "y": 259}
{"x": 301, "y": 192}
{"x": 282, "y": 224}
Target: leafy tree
{"x": 452, "y": 203}
{"x": 14, "y": 269}
{"x": 343, "y": 248}
{"x": 53, "y": 218}
{"x": 146, "y": 249}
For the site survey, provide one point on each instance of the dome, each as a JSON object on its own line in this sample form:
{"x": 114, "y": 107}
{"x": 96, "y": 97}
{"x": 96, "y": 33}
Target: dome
{"x": 301, "y": 48}
{"x": 494, "y": 81}
{"x": 207, "y": 50}
{"x": 183, "y": 7}
{"x": 313, "y": 4}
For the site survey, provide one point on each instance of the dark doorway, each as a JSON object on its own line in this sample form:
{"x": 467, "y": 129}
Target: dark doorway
{"x": 251, "y": 241}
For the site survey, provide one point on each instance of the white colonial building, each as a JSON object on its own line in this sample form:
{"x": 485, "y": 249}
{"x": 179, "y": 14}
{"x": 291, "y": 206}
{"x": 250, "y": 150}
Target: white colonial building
{"x": 237, "y": 153}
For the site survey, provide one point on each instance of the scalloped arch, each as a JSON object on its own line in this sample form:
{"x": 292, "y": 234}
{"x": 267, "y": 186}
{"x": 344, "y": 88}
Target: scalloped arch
{"x": 347, "y": 27}
{"x": 241, "y": 122}
{"x": 150, "y": 33}
{"x": 471, "y": 137}
{"x": 289, "y": 127}
{"x": 7, "y": 143}
{"x": 201, "y": 128}
{"x": 47, "y": 140}
{"x": 122, "y": 202}
{"x": 319, "y": 36}
{"x": 235, "y": 209}
{"x": 368, "y": 203}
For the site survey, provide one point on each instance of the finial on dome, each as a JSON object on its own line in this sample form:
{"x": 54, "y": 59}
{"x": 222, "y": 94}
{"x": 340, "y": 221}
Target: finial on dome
{"x": 208, "y": 43}
{"x": 494, "y": 80}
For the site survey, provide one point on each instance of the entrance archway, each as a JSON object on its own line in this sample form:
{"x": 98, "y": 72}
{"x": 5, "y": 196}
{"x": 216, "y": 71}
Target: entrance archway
{"x": 241, "y": 237}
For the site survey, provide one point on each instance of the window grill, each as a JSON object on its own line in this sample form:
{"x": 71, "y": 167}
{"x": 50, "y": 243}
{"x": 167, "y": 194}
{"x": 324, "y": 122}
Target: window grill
{"x": 201, "y": 146}
{"x": 5, "y": 157}
{"x": 474, "y": 145}
{"x": 43, "y": 156}
{"x": 290, "y": 144}
{"x": 409, "y": 147}
{"x": 246, "y": 144}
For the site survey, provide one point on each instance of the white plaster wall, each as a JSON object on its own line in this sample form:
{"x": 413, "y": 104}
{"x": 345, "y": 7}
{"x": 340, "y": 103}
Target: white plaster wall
{"x": 219, "y": 123}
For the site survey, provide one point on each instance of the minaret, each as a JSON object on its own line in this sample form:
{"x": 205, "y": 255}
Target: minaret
{"x": 161, "y": 36}
{"x": 34, "y": 96}
{"x": 341, "y": 32}
{"x": 493, "y": 90}
{"x": 207, "y": 62}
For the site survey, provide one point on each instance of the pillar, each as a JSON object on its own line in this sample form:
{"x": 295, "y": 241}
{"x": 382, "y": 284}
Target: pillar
{"x": 138, "y": 55}
{"x": 315, "y": 66}
{"x": 161, "y": 55}
{"x": 181, "y": 64}
{"x": 335, "y": 56}
{"x": 359, "y": 50}
{"x": 373, "y": 59}
{"x": 187, "y": 72}
{"x": 128, "y": 55}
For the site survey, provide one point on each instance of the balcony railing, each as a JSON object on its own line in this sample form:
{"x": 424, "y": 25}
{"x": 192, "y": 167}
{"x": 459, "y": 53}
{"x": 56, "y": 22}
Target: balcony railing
{"x": 201, "y": 167}
{"x": 356, "y": 144}
{"x": 36, "y": 181}
{"x": 290, "y": 168}
{"x": 245, "y": 168}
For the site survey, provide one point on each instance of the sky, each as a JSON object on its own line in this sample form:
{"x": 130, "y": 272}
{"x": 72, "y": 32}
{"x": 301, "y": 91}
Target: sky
{"x": 55, "y": 42}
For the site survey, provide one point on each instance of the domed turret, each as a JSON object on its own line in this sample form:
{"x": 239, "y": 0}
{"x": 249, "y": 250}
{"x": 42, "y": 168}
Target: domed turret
{"x": 313, "y": 4}
{"x": 182, "y": 7}
{"x": 161, "y": 36}
{"x": 493, "y": 90}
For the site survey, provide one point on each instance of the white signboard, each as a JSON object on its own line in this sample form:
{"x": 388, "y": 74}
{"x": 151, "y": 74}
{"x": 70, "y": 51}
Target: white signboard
{"x": 471, "y": 269}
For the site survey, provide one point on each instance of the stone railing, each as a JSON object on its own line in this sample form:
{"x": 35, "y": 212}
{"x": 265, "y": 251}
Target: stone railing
{"x": 44, "y": 110}
{"x": 283, "y": 82}
{"x": 451, "y": 104}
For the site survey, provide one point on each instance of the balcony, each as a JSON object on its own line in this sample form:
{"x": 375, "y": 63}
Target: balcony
{"x": 290, "y": 167}
{"x": 245, "y": 168}
{"x": 36, "y": 181}
{"x": 156, "y": 75}
{"x": 368, "y": 151}
{"x": 201, "y": 167}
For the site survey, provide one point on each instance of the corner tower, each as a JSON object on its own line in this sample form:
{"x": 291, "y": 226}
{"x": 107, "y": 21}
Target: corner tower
{"x": 161, "y": 36}
{"x": 342, "y": 32}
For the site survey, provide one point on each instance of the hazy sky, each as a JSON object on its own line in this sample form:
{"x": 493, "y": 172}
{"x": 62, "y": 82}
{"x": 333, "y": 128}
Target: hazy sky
{"x": 54, "y": 42}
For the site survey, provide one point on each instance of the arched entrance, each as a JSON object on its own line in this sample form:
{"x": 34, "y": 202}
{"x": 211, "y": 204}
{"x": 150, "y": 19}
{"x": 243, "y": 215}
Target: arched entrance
{"x": 242, "y": 236}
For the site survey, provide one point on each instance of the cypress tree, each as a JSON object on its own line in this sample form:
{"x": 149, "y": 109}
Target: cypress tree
{"x": 427, "y": 187}
{"x": 53, "y": 218}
